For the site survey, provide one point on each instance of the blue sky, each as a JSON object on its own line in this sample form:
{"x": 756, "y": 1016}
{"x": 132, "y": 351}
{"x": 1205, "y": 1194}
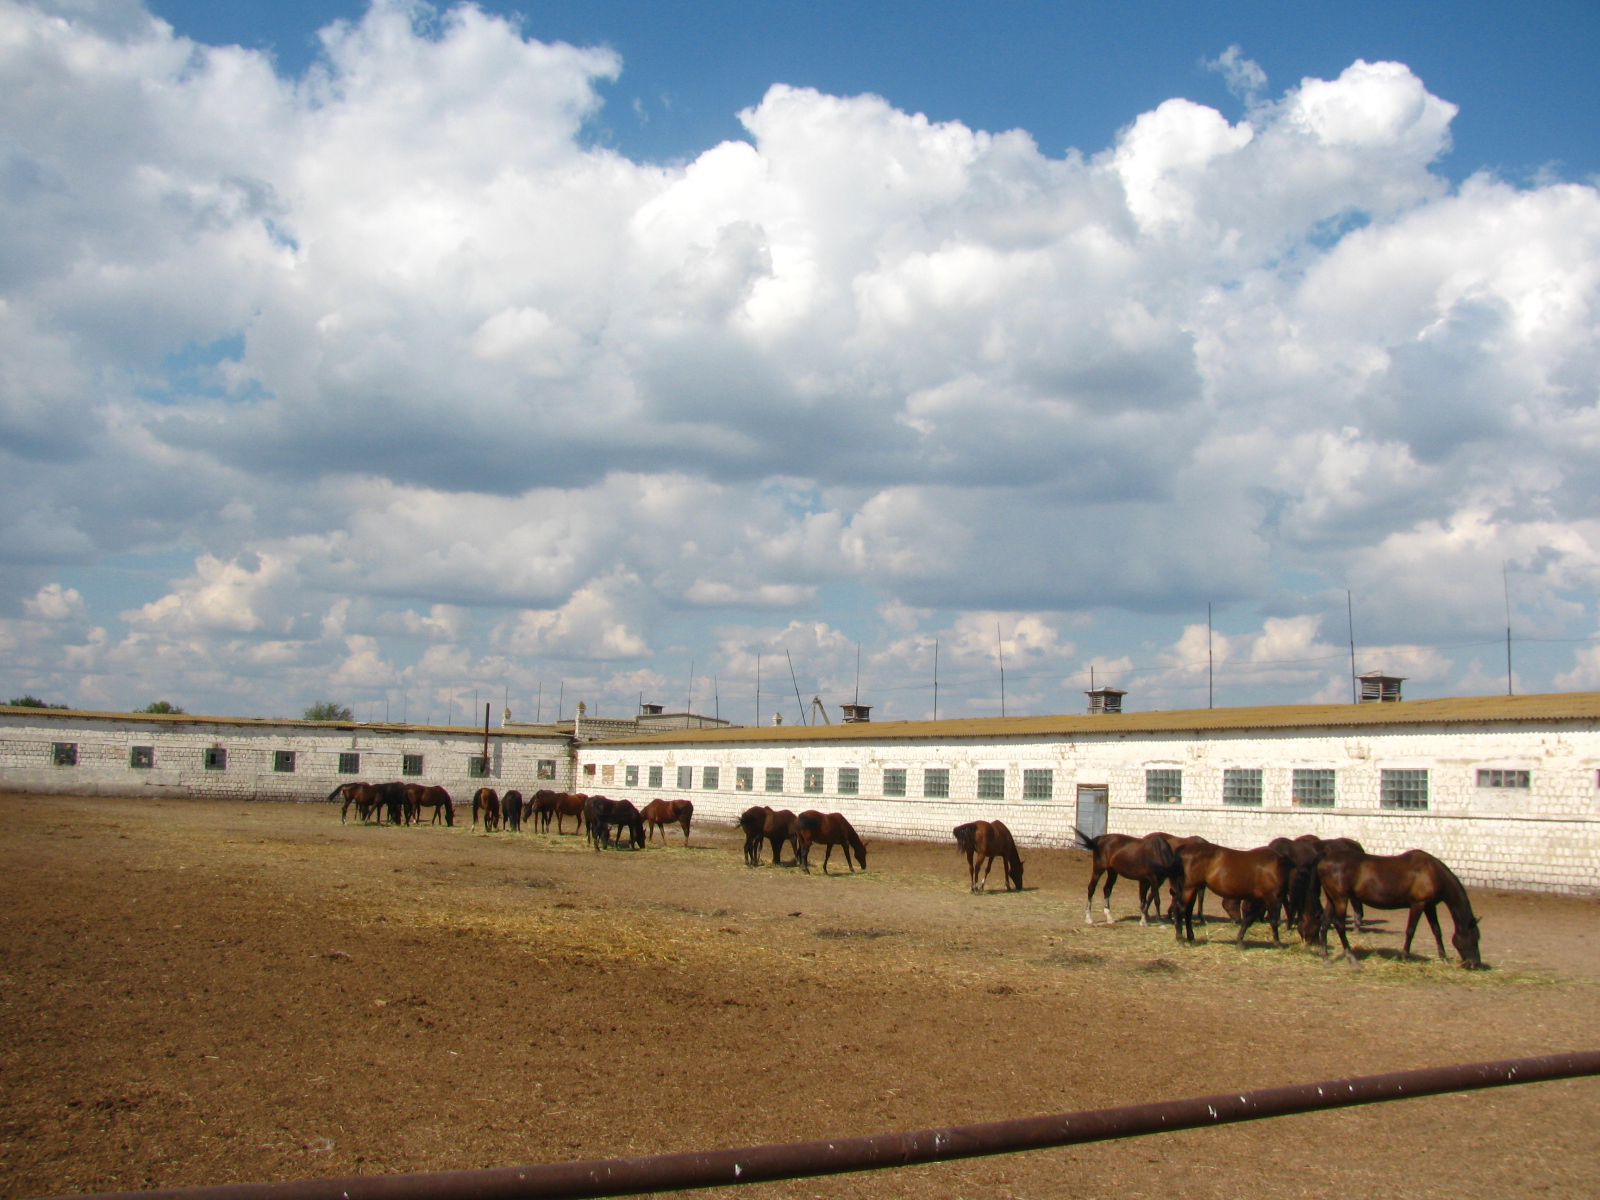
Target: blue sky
{"x": 579, "y": 347}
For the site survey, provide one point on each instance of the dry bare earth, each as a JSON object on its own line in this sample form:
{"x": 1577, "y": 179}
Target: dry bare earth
{"x": 199, "y": 992}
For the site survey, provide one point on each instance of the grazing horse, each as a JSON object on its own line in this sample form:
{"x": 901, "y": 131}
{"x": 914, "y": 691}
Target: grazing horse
{"x": 625, "y": 816}
{"x": 543, "y": 807}
{"x": 658, "y": 814}
{"x": 432, "y": 796}
{"x": 487, "y": 799}
{"x": 1344, "y": 845}
{"x": 1149, "y": 859}
{"x": 511, "y": 810}
{"x": 754, "y": 823}
{"x": 1259, "y": 878}
{"x": 985, "y": 841}
{"x": 392, "y": 799}
{"x": 1305, "y": 852}
{"x": 776, "y": 827}
{"x": 600, "y": 813}
{"x": 829, "y": 829}
{"x": 569, "y": 804}
{"x": 363, "y": 795}
{"x": 1415, "y": 880}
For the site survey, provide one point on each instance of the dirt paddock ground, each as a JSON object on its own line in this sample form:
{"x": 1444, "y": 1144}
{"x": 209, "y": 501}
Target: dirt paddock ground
{"x": 205, "y": 992}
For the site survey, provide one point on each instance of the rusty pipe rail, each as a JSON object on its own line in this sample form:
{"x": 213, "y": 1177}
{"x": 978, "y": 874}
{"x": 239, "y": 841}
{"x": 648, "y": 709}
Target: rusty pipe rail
{"x": 762, "y": 1164}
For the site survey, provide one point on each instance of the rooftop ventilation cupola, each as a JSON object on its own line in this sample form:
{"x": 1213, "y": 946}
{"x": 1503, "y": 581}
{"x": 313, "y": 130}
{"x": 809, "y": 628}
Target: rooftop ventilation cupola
{"x": 1105, "y": 700}
{"x": 1378, "y": 688}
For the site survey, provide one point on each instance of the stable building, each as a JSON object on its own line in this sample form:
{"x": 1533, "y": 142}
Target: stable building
{"x": 1504, "y": 789}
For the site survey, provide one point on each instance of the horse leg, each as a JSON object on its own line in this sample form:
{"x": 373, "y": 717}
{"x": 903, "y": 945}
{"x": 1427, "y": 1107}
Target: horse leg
{"x": 1111, "y": 882}
{"x": 1248, "y": 915}
{"x": 1272, "y": 916}
{"x": 1411, "y": 929}
{"x": 1088, "y": 903}
{"x": 1144, "y": 900}
{"x": 987, "y": 867}
{"x": 1432, "y": 913}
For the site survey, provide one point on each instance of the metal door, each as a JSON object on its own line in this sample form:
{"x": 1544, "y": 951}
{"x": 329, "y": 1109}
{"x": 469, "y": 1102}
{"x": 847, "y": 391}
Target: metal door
{"x": 1093, "y": 801}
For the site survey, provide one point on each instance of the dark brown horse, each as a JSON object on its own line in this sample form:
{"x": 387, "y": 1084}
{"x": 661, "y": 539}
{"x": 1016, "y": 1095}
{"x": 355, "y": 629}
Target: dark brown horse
{"x": 569, "y": 804}
{"x": 1149, "y": 860}
{"x": 776, "y": 827}
{"x": 813, "y": 828}
{"x": 392, "y": 800}
{"x": 511, "y": 811}
{"x": 432, "y": 796}
{"x": 753, "y": 821}
{"x": 658, "y": 814}
{"x": 363, "y": 795}
{"x": 983, "y": 842}
{"x": 1415, "y": 880}
{"x": 1343, "y": 845}
{"x": 1305, "y": 852}
{"x": 488, "y": 800}
{"x": 1259, "y": 879}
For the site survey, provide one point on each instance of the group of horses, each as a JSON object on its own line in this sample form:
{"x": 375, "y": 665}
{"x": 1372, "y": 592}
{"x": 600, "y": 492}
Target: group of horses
{"x": 801, "y": 832}
{"x": 1312, "y": 882}
{"x": 402, "y": 803}
{"x": 601, "y": 820}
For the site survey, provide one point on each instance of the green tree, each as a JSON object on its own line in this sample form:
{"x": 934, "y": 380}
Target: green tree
{"x": 159, "y": 706}
{"x": 32, "y": 701}
{"x": 328, "y": 710}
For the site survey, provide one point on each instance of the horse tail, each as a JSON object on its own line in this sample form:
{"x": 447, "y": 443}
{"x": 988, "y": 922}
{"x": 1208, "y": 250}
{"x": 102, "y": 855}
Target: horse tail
{"x": 1091, "y": 844}
{"x": 1168, "y": 861}
{"x": 338, "y": 791}
{"x": 967, "y": 838}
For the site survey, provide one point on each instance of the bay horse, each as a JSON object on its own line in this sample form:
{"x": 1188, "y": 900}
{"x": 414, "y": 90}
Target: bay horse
{"x": 1150, "y": 860}
{"x": 543, "y": 808}
{"x": 1415, "y": 880}
{"x": 829, "y": 829}
{"x": 488, "y": 800}
{"x": 1258, "y": 878}
{"x": 600, "y": 813}
{"x": 753, "y": 821}
{"x": 511, "y": 811}
{"x": 658, "y": 814}
{"x": 1344, "y": 845}
{"x": 392, "y": 799}
{"x": 983, "y": 842}
{"x": 569, "y": 804}
{"x": 1305, "y": 852}
{"x": 625, "y": 816}
{"x": 363, "y": 795}
{"x": 431, "y": 796}
{"x": 776, "y": 827}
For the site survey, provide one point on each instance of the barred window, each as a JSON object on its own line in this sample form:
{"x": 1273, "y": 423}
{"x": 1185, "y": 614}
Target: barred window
{"x": 991, "y": 784}
{"x": 630, "y": 776}
{"x": 1496, "y": 778}
{"x": 349, "y": 764}
{"x": 774, "y": 779}
{"x": 710, "y": 778}
{"x": 849, "y": 781}
{"x": 685, "y": 778}
{"x": 1242, "y": 785}
{"x": 1163, "y": 785}
{"x": 142, "y": 757}
{"x": 936, "y": 783}
{"x": 1039, "y": 784}
{"x": 1404, "y": 789}
{"x": 478, "y": 767}
{"x": 744, "y": 779}
{"x": 283, "y": 760}
{"x": 66, "y": 754}
{"x": 1313, "y": 788}
{"x": 894, "y": 781}
{"x": 656, "y": 774}
{"x": 215, "y": 758}
{"x": 411, "y": 764}
{"x": 813, "y": 781}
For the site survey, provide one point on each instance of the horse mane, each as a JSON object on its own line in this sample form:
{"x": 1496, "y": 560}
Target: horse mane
{"x": 967, "y": 838}
{"x": 1166, "y": 857}
{"x": 1455, "y": 897}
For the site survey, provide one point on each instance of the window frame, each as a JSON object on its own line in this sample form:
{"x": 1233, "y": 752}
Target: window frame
{"x": 1163, "y": 785}
{"x": 1505, "y": 779}
{"x": 656, "y": 775}
{"x": 1244, "y": 787}
{"x": 478, "y": 766}
{"x": 349, "y": 762}
{"x": 1030, "y": 779}
{"x": 936, "y": 783}
{"x": 630, "y": 775}
{"x": 894, "y": 781}
{"x": 744, "y": 779}
{"x": 848, "y": 781}
{"x": 1394, "y": 782}
{"x": 411, "y": 765}
{"x": 710, "y": 779}
{"x": 141, "y": 758}
{"x": 991, "y": 783}
{"x": 774, "y": 774}
{"x": 214, "y": 758}
{"x": 64, "y": 754}
{"x": 283, "y": 762}
{"x": 1301, "y": 787}
{"x": 685, "y": 778}
{"x": 813, "y": 780}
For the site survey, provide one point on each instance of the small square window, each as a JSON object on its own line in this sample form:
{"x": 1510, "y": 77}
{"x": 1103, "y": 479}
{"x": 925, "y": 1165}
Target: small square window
{"x": 894, "y": 781}
{"x": 1406, "y": 789}
{"x": 630, "y": 776}
{"x": 991, "y": 784}
{"x": 1242, "y": 785}
{"x": 849, "y": 781}
{"x": 411, "y": 764}
{"x": 588, "y": 770}
{"x": 283, "y": 760}
{"x": 774, "y": 779}
{"x": 608, "y": 773}
{"x": 216, "y": 758}
{"x": 685, "y": 778}
{"x": 1163, "y": 785}
{"x": 744, "y": 779}
{"x": 1039, "y": 784}
{"x": 1505, "y": 779}
{"x": 142, "y": 757}
{"x": 813, "y": 781}
{"x": 349, "y": 763}
{"x": 936, "y": 783}
{"x": 655, "y": 776}
{"x": 710, "y": 778}
{"x": 478, "y": 767}
{"x": 545, "y": 769}
{"x": 66, "y": 754}
{"x": 1313, "y": 787}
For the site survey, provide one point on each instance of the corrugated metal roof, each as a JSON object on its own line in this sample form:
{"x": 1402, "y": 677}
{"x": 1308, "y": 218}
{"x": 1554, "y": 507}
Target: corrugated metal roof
{"x": 1561, "y": 706}
{"x": 527, "y": 731}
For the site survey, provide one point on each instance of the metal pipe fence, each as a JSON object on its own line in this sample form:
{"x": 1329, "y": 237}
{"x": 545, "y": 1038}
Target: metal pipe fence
{"x": 763, "y": 1164}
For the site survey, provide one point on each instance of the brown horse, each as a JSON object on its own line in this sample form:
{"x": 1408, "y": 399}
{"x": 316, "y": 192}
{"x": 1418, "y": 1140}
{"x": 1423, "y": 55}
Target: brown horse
{"x": 392, "y": 799}
{"x": 421, "y": 796}
{"x": 658, "y": 814}
{"x": 776, "y": 827}
{"x": 1343, "y": 845}
{"x": 753, "y": 821}
{"x": 1305, "y": 852}
{"x": 1415, "y": 880}
{"x": 1149, "y": 859}
{"x": 830, "y": 830}
{"x": 488, "y": 800}
{"x": 983, "y": 842}
{"x": 1258, "y": 878}
{"x": 569, "y": 804}
{"x": 511, "y": 811}
{"x": 363, "y": 795}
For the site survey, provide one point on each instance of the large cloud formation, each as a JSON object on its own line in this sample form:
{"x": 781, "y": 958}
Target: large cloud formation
{"x": 395, "y": 342}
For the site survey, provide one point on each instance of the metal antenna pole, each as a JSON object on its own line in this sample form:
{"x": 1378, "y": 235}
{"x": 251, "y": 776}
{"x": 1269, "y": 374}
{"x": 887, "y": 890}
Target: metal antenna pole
{"x": 798, "y": 703}
{"x": 716, "y": 698}
{"x": 1505, "y": 582}
{"x": 935, "y": 679}
{"x": 1000, "y": 652}
{"x": 561, "y": 697}
{"x": 758, "y": 690}
{"x": 1211, "y": 693}
{"x": 857, "y": 699}
{"x": 688, "y": 705}
{"x": 1350, "y": 612}
{"x": 538, "y": 711}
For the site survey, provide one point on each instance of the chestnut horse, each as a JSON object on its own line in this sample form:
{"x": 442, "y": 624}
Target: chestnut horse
{"x": 1305, "y": 852}
{"x": 489, "y": 801}
{"x": 1149, "y": 859}
{"x": 776, "y": 828}
{"x": 511, "y": 810}
{"x": 1415, "y": 880}
{"x": 1258, "y": 878}
{"x": 829, "y": 829}
{"x": 753, "y": 821}
{"x": 568, "y": 804}
{"x": 431, "y": 796}
{"x": 983, "y": 842}
{"x": 363, "y": 795}
{"x": 658, "y": 814}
